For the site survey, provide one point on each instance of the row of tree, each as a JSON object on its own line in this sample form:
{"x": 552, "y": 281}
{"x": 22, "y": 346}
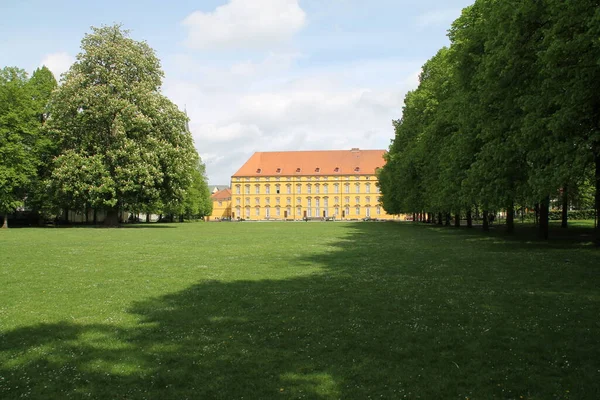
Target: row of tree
{"x": 507, "y": 116}
{"x": 104, "y": 139}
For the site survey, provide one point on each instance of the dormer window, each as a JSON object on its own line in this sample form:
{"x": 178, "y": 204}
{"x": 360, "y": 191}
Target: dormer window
{"x": 337, "y": 169}
{"x": 258, "y": 171}
{"x": 297, "y": 170}
{"x": 278, "y": 170}
{"x": 317, "y": 170}
{"x": 357, "y": 169}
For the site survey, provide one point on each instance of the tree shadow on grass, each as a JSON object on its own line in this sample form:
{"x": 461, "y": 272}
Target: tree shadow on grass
{"x": 152, "y": 225}
{"x": 388, "y": 316}
{"x": 524, "y": 235}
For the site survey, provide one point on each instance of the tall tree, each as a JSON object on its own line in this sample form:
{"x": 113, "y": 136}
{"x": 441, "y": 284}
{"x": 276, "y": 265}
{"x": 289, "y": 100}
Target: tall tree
{"x": 440, "y": 155}
{"x": 570, "y": 89}
{"x": 467, "y": 53}
{"x": 39, "y": 199}
{"x": 17, "y": 139}
{"x": 400, "y": 179}
{"x": 512, "y": 34}
{"x": 113, "y": 124}
{"x": 197, "y": 202}
{"x": 41, "y": 84}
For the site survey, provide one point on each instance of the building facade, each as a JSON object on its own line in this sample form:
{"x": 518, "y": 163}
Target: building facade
{"x": 221, "y": 200}
{"x": 296, "y": 185}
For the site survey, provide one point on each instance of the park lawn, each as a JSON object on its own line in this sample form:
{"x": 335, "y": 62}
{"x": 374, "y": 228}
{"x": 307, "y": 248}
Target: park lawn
{"x": 296, "y": 310}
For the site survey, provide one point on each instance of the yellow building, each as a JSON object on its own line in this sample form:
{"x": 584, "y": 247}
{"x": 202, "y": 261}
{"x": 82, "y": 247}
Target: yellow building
{"x": 221, "y": 205}
{"x": 296, "y": 185}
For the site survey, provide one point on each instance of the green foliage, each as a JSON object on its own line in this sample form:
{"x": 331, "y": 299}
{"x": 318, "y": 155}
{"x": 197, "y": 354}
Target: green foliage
{"x": 509, "y": 114}
{"x": 41, "y": 84}
{"x": 572, "y": 215}
{"x": 581, "y": 195}
{"x": 121, "y": 143}
{"x": 556, "y": 215}
{"x": 18, "y": 138}
{"x": 39, "y": 198}
{"x": 197, "y": 202}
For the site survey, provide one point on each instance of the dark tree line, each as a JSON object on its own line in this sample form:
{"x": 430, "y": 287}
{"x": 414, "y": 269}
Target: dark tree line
{"x": 507, "y": 117}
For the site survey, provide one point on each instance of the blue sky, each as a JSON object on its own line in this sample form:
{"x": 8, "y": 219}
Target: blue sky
{"x": 256, "y": 75}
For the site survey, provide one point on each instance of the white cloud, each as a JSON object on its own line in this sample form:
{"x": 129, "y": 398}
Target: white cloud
{"x": 274, "y": 62}
{"x": 58, "y": 63}
{"x": 225, "y": 133}
{"x": 244, "y": 24}
{"x": 234, "y": 114}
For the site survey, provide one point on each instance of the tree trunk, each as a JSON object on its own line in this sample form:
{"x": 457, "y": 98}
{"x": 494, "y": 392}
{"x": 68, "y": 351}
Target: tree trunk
{"x": 486, "y": 223}
{"x": 457, "y": 219}
{"x": 66, "y": 215}
{"x": 181, "y": 218}
{"x": 87, "y": 217}
{"x": 148, "y": 218}
{"x": 510, "y": 217}
{"x": 537, "y": 213}
{"x": 544, "y": 210}
{"x": 429, "y": 218}
{"x": 5, "y": 223}
{"x": 522, "y": 211}
{"x": 597, "y": 200}
{"x": 565, "y": 208}
{"x": 95, "y": 217}
{"x": 112, "y": 217}
{"x": 440, "y": 219}
{"x": 447, "y": 219}
{"x": 469, "y": 218}
{"x": 40, "y": 220}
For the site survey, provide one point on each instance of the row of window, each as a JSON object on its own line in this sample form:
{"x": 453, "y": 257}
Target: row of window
{"x": 300, "y": 178}
{"x": 309, "y": 201}
{"x": 308, "y": 212}
{"x": 308, "y": 188}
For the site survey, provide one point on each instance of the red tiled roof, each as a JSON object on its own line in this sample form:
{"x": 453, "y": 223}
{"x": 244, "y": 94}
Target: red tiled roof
{"x": 224, "y": 194}
{"x": 320, "y": 162}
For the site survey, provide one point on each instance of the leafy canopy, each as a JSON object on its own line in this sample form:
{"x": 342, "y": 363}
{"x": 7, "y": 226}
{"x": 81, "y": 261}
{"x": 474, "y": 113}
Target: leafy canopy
{"x": 121, "y": 142}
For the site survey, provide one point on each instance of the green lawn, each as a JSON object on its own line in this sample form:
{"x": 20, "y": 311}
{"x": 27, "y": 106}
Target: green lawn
{"x": 296, "y": 310}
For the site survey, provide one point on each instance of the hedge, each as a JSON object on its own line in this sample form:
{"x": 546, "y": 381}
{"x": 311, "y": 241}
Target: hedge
{"x": 556, "y": 215}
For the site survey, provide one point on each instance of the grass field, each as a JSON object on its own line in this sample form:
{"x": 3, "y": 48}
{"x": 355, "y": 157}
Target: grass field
{"x": 296, "y": 310}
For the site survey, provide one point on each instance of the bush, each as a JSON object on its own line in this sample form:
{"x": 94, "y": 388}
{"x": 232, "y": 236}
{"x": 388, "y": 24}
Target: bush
{"x": 572, "y": 215}
{"x": 556, "y": 215}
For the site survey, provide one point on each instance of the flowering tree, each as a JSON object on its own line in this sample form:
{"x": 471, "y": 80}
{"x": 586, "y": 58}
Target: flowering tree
{"x": 121, "y": 143}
